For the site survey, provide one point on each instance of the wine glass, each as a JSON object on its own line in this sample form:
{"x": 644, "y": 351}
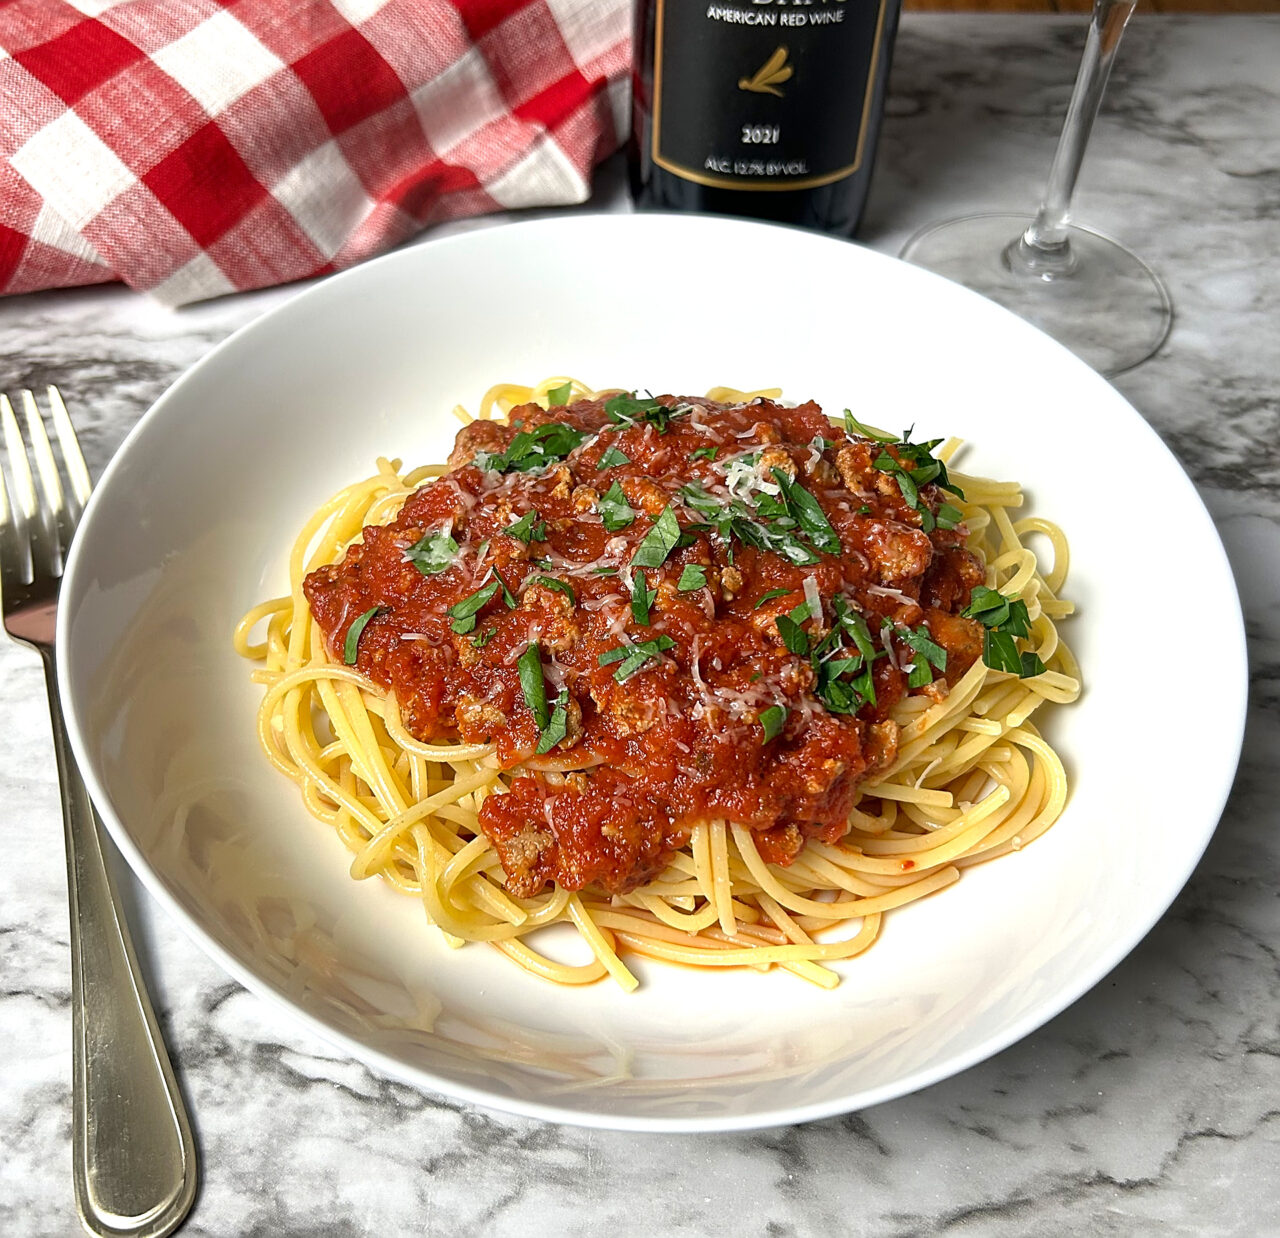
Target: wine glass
{"x": 1086, "y": 290}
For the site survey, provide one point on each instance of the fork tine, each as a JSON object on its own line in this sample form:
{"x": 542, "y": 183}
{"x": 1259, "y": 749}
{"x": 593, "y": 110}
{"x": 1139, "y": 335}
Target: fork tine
{"x": 41, "y": 532}
{"x": 16, "y": 548}
{"x": 53, "y": 512}
{"x": 55, "y": 516}
{"x": 8, "y": 518}
{"x": 77, "y": 472}
{"x": 42, "y": 449}
{"x": 25, "y": 497}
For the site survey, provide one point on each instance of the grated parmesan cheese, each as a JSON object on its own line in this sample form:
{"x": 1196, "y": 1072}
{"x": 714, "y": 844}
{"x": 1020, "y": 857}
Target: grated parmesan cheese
{"x": 812, "y": 597}
{"x": 885, "y": 591}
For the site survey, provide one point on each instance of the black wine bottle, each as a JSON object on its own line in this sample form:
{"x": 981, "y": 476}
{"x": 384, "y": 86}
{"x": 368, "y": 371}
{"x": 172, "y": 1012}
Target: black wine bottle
{"x": 764, "y": 108}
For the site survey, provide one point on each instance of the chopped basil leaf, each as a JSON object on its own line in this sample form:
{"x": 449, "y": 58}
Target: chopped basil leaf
{"x": 864, "y": 685}
{"x": 864, "y": 510}
{"x": 853, "y": 426}
{"x": 534, "y": 449}
{"x": 772, "y": 720}
{"x": 641, "y": 598}
{"x": 702, "y": 502}
{"x": 604, "y": 571}
{"x": 988, "y": 606}
{"x": 628, "y": 410}
{"x": 659, "y": 542}
{"x": 1019, "y": 620}
{"x": 808, "y": 512}
{"x": 913, "y": 466}
{"x": 481, "y": 639}
{"x": 533, "y": 685}
{"x": 1031, "y": 666}
{"x": 553, "y": 725}
{"x": 838, "y": 695}
{"x": 704, "y": 453}
{"x": 558, "y": 727}
{"x": 793, "y": 636}
{"x": 768, "y": 597}
{"x": 827, "y": 647}
{"x": 529, "y": 528}
{"x": 844, "y": 695}
{"x": 948, "y": 516}
{"x": 756, "y": 527}
{"x": 838, "y": 698}
{"x": 906, "y": 483}
{"x": 852, "y": 623}
{"x": 927, "y": 466}
{"x": 1005, "y": 619}
{"x": 845, "y": 683}
{"x": 886, "y": 463}
{"x": 351, "y": 645}
{"x": 612, "y": 458}
{"x": 770, "y": 508}
{"x": 775, "y": 538}
{"x": 615, "y": 511}
{"x": 559, "y": 396}
{"x": 993, "y": 610}
{"x": 1000, "y": 652}
{"x": 693, "y": 577}
{"x": 633, "y": 657}
{"x": 507, "y": 596}
{"x": 560, "y": 586}
{"x": 432, "y": 553}
{"x": 463, "y": 614}
{"x": 923, "y": 643}
{"x": 625, "y": 409}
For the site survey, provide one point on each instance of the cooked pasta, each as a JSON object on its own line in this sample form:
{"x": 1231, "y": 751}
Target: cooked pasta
{"x": 728, "y": 711}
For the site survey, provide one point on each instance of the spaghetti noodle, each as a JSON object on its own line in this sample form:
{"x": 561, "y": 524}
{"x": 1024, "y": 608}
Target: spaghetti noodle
{"x": 953, "y": 772}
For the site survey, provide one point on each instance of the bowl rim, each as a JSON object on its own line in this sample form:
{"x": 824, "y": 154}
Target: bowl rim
{"x": 1233, "y": 650}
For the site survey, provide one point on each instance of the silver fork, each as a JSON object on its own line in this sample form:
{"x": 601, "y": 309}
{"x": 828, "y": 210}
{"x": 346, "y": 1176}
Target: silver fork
{"x": 134, "y": 1161}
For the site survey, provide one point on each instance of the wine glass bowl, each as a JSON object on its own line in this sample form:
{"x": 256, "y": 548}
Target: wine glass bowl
{"x": 1083, "y": 288}
{"x": 1090, "y": 293}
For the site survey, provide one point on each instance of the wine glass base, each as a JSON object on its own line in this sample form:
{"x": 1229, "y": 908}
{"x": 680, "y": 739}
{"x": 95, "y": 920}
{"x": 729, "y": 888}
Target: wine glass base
{"x": 1110, "y": 308}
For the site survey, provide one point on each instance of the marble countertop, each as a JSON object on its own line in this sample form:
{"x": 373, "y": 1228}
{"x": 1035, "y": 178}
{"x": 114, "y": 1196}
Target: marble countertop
{"x": 1152, "y": 1104}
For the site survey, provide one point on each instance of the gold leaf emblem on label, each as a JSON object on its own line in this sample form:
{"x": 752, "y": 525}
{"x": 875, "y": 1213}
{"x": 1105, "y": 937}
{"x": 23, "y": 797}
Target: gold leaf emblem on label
{"x": 769, "y": 76}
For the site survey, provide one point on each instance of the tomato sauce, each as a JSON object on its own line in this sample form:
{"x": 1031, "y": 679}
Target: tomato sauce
{"x": 793, "y": 534}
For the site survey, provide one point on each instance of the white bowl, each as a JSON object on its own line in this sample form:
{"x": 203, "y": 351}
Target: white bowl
{"x": 192, "y": 521}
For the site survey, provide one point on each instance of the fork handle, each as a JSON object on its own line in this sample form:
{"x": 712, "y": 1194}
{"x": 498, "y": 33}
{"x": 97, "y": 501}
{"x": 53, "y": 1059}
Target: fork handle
{"x": 134, "y": 1157}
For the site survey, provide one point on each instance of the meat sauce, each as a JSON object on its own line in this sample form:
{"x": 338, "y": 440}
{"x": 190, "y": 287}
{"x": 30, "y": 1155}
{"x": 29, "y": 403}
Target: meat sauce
{"x": 726, "y": 716}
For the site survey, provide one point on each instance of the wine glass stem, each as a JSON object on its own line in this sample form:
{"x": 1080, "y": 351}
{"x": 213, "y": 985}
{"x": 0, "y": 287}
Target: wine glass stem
{"x": 1046, "y": 237}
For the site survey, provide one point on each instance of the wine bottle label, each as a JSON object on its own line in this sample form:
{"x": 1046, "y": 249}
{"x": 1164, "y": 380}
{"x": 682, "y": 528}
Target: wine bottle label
{"x": 764, "y": 94}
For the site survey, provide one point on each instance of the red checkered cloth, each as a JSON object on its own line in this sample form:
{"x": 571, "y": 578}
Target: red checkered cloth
{"x": 193, "y": 148}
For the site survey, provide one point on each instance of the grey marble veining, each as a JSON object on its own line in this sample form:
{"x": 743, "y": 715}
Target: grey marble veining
{"x": 1150, "y": 1106}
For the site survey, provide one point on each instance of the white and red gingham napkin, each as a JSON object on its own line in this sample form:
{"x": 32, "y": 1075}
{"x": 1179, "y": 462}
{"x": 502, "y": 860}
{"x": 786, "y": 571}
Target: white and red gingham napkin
{"x": 194, "y": 147}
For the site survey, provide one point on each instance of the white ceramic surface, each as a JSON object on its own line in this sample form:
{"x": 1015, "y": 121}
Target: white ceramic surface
{"x": 192, "y": 520}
